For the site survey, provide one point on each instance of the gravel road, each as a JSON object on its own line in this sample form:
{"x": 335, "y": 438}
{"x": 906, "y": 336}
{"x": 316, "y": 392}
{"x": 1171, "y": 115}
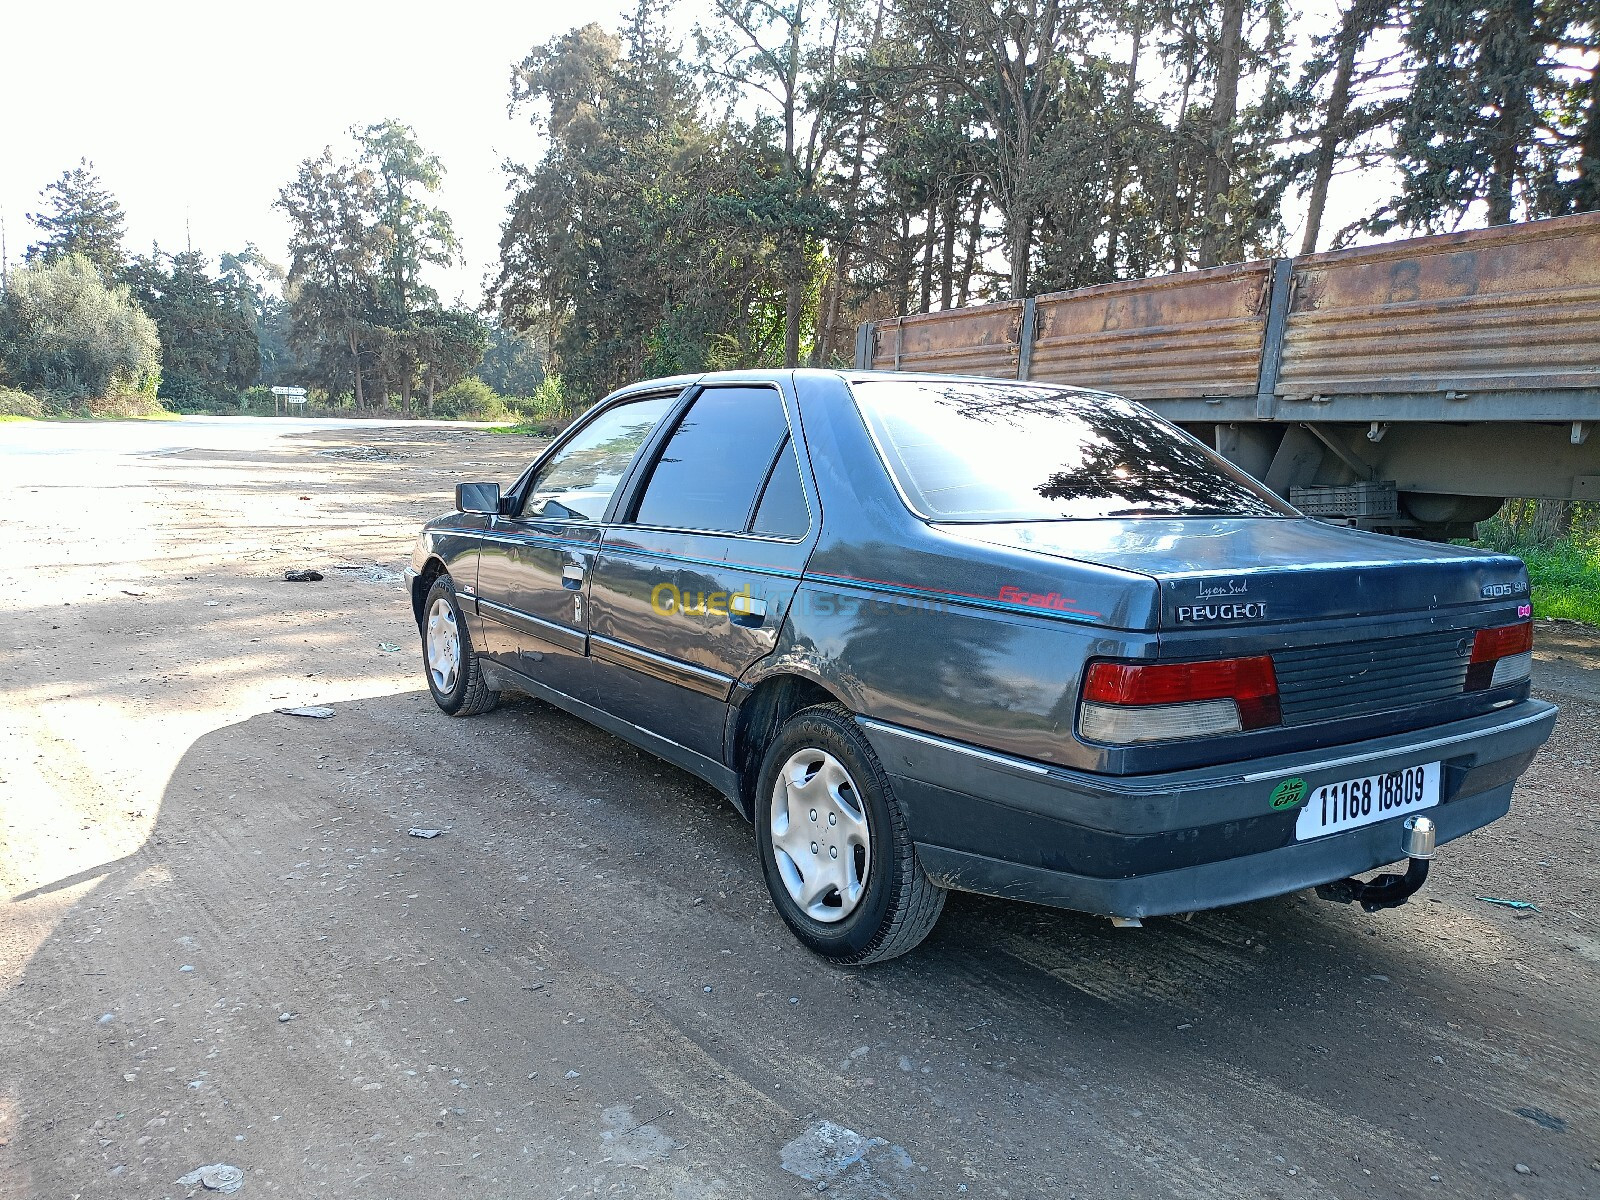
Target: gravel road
{"x": 219, "y": 944}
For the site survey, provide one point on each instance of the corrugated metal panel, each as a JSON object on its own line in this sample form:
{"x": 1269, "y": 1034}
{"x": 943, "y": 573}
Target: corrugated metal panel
{"x": 1323, "y": 683}
{"x": 1517, "y": 306}
{"x": 963, "y": 341}
{"x": 1190, "y": 335}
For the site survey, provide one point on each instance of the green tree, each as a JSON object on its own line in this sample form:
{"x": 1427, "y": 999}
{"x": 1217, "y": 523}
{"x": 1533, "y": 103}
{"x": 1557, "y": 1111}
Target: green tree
{"x": 1489, "y": 119}
{"x": 787, "y": 57}
{"x": 413, "y": 230}
{"x": 209, "y": 349}
{"x": 337, "y": 272}
{"x": 359, "y": 314}
{"x": 1004, "y": 58}
{"x": 1580, "y": 113}
{"x": 447, "y": 345}
{"x": 643, "y": 239}
{"x": 1339, "y": 105}
{"x": 65, "y": 332}
{"x": 254, "y": 284}
{"x": 80, "y": 217}
{"x": 513, "y": 363}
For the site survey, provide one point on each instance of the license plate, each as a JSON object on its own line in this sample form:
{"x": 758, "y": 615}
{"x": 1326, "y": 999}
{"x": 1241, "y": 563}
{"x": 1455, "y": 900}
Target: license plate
{"x": 1351, "y": 803}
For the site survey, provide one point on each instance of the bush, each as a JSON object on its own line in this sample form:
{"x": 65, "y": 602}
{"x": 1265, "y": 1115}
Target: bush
{"x": 125, "y": 404}
{"x": 470, "y": 400}
{"x": 252, "y": 400}
{"x": 19, "y": 404}
{"x": 548, "y": 402}
{"x": 1560, "y": 542}
{"x": 65, "y": 333}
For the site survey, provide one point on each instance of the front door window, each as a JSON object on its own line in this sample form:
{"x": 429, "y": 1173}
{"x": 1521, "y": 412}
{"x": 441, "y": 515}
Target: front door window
{"x": 578, "y": 482}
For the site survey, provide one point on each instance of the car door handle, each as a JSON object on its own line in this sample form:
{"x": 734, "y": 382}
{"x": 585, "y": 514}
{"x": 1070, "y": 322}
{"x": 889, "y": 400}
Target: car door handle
{"x": 572, "y": 577}
{"x": 745, "y": 609}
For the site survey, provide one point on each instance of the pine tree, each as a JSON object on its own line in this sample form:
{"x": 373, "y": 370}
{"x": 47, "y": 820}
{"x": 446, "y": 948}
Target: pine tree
{"x": 1483, "y": 121}
{"x": 209, "y": 351}
{"x": 81, "y": 217}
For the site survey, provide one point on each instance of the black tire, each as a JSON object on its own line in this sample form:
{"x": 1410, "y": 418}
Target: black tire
{"x": 469, "y": 693}
{"x": 899, "y": 905}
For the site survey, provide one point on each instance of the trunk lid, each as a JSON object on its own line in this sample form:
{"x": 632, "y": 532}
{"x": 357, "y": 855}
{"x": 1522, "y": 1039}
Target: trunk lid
{"x": 1221, "y": 574}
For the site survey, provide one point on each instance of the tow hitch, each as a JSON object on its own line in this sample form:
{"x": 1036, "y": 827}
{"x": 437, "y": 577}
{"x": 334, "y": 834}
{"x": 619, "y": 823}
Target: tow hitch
{"x": 1389, "y": 891}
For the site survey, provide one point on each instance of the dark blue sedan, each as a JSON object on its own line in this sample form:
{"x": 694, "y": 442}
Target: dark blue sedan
{"x": 1026, "y": 640}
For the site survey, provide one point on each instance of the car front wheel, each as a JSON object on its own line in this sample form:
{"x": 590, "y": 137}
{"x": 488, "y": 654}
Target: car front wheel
{"x": 448, "y": 659}
{"x": 834, "y": 848}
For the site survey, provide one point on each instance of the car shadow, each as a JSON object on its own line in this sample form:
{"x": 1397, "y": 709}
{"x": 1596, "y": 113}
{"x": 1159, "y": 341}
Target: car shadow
{"x": 282, "y": 977}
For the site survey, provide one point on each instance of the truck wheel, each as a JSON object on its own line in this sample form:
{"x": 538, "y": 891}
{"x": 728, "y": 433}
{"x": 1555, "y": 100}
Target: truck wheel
{"x": 448, "y": 660}
{"x": 834, "y": 847}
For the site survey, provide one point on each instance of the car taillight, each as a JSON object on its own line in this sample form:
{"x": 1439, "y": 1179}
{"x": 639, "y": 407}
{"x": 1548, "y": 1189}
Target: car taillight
{"x": 1500, "y": 655}
{"x": 1157, "y": 702}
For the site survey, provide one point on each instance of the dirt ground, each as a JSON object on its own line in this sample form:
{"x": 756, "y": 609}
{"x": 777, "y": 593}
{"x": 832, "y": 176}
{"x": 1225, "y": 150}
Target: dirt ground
{"x": 218, "y": 944}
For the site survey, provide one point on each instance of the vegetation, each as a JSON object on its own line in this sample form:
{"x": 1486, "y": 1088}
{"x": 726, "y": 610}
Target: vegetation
{"x": 514, "y": 363}
{"x": 256, "y": 283}
{"x": 69, "y": 338}
{"x": 746, "y": 195}
{"x": 19, "y": 406}
{"x": 360, "y": 317}
{"x": 80, "y": 217}
{"x": 544, "y": 412}
{"x": 812, "y": 163}
{"x": 209, "y": 347}
{"x": 1565, "y": 580}
{"x": 1560, "y": 542}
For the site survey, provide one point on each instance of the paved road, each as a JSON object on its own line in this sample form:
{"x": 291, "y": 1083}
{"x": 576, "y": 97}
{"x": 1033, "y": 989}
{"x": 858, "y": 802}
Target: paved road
{"x": 219, "y": 945}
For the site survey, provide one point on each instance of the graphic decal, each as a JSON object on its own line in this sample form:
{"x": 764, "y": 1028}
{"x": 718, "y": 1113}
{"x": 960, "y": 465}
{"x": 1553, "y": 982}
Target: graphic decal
{"x": 1288, "y": 793}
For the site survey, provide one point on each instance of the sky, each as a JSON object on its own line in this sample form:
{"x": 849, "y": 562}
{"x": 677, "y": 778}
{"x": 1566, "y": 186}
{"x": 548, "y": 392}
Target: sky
{"x": 196, "y": 114}
{"x": 202, "y": 111}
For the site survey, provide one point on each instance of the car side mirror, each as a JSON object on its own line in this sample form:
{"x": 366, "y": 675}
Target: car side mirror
{"x": 478, "y": 498}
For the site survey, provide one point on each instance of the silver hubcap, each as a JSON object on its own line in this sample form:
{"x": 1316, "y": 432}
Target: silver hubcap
{"x": 819, "y": 835}
{"x": 443, "y": 646}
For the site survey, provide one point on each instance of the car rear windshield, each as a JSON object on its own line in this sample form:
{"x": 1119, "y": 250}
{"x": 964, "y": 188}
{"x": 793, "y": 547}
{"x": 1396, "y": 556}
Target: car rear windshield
{"x": 972, "y": 451}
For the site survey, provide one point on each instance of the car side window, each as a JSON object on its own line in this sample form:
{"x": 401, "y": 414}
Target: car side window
{"x": 715, "y": 461}
{"x": 782, "y": 511}
{"x": 578, "y": 482}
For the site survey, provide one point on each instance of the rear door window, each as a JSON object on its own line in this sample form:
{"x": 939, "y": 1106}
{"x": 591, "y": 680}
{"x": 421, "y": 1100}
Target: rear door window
{"x": 578, "y": 481}
{"x": 967, "y": 451}
{"x": 715, "y": 461}
{"x": 782, "y": 511}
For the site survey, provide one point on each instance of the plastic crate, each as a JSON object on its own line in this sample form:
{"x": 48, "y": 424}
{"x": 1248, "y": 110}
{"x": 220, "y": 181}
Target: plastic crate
{"x": 1371, "y": 499}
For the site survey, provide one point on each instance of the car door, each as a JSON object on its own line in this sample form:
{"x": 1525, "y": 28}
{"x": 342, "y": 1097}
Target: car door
{"x": 695, "y": 575}
{"x": 532, "y": 574}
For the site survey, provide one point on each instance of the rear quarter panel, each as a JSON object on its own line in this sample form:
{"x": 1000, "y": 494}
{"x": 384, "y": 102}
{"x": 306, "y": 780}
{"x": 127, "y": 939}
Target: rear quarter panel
{"x": 911, "y": 625}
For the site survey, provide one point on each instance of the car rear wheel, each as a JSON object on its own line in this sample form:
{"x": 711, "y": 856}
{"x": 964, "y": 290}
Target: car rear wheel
{"x": 448, "y": 660}
{"x": 834, "y": 847}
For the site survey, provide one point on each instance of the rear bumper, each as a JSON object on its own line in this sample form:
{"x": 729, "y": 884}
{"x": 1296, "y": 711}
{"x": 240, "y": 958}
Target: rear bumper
{"x": 1187, "y": 840}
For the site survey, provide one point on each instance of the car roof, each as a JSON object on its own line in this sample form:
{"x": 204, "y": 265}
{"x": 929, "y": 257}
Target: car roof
{"x": 847, "y": 374}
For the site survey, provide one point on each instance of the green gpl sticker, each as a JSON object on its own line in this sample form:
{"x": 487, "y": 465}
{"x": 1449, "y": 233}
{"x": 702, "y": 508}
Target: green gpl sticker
{"x": 1288, "y": 793}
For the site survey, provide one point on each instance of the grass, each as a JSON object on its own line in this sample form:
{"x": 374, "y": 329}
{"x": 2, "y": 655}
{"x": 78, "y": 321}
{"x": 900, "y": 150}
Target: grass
{"x": 66, "y": 418}
{"x": 1565, "y": 581}
{"x": 1560, "y": 542}
{"x": 528, "y": 428}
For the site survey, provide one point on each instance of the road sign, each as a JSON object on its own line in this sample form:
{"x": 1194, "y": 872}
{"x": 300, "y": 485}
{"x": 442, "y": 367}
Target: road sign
{"x": 288, "y": 391}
